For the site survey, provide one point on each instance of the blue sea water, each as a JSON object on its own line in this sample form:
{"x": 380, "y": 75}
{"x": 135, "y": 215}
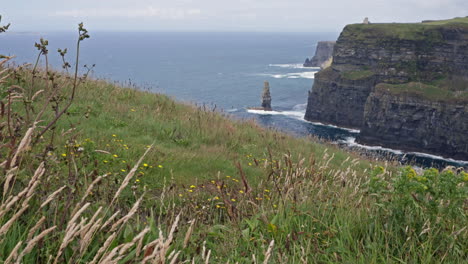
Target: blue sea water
{"x": 222, "y": 70}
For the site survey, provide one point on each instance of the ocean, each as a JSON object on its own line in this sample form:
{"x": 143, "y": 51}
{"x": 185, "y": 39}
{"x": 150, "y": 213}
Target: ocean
{"x": 225, "y": 71}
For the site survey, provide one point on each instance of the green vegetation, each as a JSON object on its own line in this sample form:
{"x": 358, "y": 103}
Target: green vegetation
{"x": 429, "y": 32}
{"x": 427, "y": 91}
{"x": 357, "y": 75}
{"x": 96, "y": 173}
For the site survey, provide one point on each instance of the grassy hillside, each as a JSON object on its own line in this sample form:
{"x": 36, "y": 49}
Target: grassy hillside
{"x": 127, "y": 176}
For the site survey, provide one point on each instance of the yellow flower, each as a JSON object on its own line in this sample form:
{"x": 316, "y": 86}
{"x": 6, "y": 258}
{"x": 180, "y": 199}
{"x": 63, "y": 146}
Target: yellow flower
{"x": 137, "y": 180}
{"x": 275, "y": 206}
{"x": 241, "y": 191}
{"x": 133, "y": 110}
{"x": 115, "y": 156}
{"x": 233, "y": 199}
{"x": 190, "y": 190}
{"x": 145, "y": 165}
{"x": 228, "y": 176}
{"x": 192, "y": 186}
{"x": 180, "y": 195}
{"x": 64, "y": 155}
{"x": 114, "y": 135}
{"x": 105, "y": 161}
{"x": 213, "y": 182}
{"x": 123, "y": 161}
{"x": 123, "y": 170}
{"x": 218, "y": 206}
{"x": 216, "y": 198}
{"x": 160, "y": 166}
{"x": 266, "y": 190}
{"x": 250, "y": 164}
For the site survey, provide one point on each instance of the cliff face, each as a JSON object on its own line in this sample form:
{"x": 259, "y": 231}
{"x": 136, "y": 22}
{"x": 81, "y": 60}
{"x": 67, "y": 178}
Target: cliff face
{"x": 404, "y": 85}
{"x": 323, "y": 53}
{"x": 416, "y": 124}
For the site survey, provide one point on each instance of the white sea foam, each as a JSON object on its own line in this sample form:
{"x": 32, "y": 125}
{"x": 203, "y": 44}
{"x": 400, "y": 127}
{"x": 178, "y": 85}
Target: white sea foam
{"x": 291, "y": 66}
{"x": 351, "y": 141}
{"x": 232, "y": 110}
{"x": 294, "y": 75}
{"x": 356, "y": 131}
{"x": 297, "y": 113}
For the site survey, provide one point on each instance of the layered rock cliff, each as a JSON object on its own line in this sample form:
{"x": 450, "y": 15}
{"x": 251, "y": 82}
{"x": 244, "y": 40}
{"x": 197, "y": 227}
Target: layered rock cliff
{"x": 404, "y": 86}
{"x": 323, "y": 54}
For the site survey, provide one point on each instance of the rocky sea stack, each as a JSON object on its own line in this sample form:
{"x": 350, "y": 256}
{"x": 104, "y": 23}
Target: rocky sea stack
{"x": 266, "y": 97}
{"x": 405, "y": 86}
{"x": 323, "y": 54}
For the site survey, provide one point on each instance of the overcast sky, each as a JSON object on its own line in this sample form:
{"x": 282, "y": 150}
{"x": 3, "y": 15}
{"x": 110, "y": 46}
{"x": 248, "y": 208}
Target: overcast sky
{"x": 219, "y": 15}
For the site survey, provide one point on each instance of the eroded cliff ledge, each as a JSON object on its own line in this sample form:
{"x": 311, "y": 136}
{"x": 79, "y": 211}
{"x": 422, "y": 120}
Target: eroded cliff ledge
{"x": 404, "y": 86}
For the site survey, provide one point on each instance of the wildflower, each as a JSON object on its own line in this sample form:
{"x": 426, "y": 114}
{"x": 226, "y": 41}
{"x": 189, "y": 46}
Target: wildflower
{"x": 123, "y": 170}
{"x": 115, "y": 156}
{"x": 133, "y": 110}
{"x": 241, "y": 191}
{"x": 180, "y": 195}
{"x": 64, "y": 154}
{"x": 209, "y": 199}
{"x": 105, "y": 161}
{"x": 192, "y": 186}
{"x": 123, "y": 161}
{"x": 145, "y": 165}
{"x": 137, "y": 180}
{"x": 218, "y": 206}
{"x": 233, "y": 200}
{"x": 274, "y": 206}
{"x": 114, "y": 135}
{"x": 216, "y": 198}
{"x": 213, "y": 182}
{"x": 266, "y": 190}
{"x": 160, "y": 166}
{"x": 250, "y": 164}
{"x": 190, "y": 190}
{"x": 228, "y": 176}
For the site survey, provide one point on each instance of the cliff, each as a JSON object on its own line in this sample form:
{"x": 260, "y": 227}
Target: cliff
{"x": 404, "y": 86}
{"x": 323, "y": 53}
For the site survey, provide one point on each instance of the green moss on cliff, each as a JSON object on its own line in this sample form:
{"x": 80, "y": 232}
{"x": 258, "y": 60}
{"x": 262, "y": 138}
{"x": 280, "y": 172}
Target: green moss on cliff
{"x": 426, "y": 91}
{"x": 357, "y": 75}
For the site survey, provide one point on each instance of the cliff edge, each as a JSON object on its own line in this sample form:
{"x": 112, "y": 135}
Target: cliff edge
{"x": 404, "y": 86}
{"x": 323, "y": 54}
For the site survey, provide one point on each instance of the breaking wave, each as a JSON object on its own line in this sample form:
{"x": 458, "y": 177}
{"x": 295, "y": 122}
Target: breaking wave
{"x": 298, "y": 113}
{"x": 292, "y": 66}
{"x": 351, "y": 141}
{"x": 294, "y": 75}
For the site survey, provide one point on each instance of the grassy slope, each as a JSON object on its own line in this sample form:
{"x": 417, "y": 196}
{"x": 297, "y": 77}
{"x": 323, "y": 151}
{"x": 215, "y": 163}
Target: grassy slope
{"x": 190, "y": 143}
{"x": 326, "y": 208}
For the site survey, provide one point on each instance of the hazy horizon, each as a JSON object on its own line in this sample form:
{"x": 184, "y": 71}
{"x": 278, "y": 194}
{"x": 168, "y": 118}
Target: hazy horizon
{"x": 219, "y": 16}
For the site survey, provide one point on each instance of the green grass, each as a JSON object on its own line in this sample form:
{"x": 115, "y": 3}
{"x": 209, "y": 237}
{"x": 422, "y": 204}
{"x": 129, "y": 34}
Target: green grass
{"x": 430, "y": 31}
{"x": 357, "y": 75}
{"x": 426, "y": 91}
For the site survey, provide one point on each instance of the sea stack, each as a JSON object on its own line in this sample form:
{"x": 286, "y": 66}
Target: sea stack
{"x": 266, "y": 97}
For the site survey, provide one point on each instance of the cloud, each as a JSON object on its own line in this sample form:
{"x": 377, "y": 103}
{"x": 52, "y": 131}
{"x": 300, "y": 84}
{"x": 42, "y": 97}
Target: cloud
{"x": 161, "y": 13}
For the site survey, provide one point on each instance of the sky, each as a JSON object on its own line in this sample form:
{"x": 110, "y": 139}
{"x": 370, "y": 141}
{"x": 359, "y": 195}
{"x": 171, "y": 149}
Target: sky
{"x": 219, "y": 15}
